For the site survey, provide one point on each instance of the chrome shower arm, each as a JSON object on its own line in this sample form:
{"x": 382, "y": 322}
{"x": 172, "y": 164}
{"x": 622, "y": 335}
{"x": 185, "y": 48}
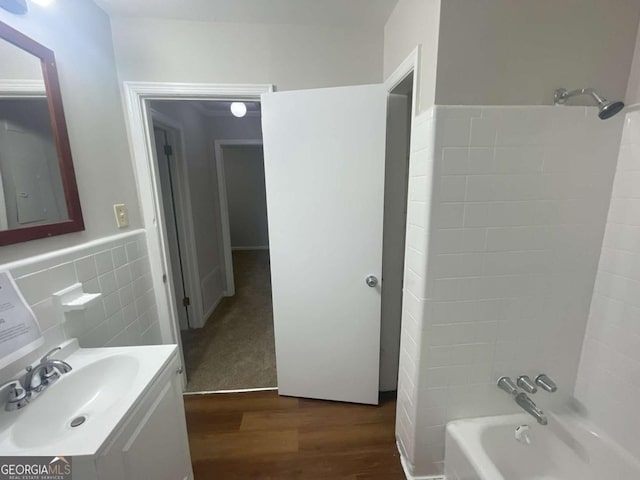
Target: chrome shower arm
{"x": 561, "y": 95}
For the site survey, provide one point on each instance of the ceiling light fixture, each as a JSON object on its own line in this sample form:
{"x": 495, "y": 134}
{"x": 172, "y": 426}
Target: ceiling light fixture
{"x": 238, "y": 109}
{"x": 43, "y": 3}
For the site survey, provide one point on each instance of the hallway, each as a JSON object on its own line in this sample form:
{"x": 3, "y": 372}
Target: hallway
{"x": 235, "y": 350}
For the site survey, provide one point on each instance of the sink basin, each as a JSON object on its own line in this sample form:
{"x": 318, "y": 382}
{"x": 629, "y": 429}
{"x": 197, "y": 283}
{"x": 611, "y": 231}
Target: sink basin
{"x": 88, "y": 392}
{"x": 96, "y": 396}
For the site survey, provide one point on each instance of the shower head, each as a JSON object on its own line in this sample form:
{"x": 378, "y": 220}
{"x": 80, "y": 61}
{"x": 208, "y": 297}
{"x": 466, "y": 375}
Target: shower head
{"x": 607, "y": 109}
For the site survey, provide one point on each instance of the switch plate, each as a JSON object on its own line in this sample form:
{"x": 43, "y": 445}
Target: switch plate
{"x": 122, "y": 215}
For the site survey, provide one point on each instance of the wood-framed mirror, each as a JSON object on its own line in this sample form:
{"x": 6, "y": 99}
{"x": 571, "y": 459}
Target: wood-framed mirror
{"x": 38, "y": 190}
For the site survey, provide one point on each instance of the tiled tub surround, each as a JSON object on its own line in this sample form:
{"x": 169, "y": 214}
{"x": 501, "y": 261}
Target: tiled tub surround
{"x": 608, "y": 382}
{"x": 420, "y": 165}
{"x": 117, "y": 267}
{"x": 507, "y": 207}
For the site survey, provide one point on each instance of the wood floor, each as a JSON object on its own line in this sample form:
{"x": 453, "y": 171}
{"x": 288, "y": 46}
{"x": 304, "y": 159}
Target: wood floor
{"x": 263, "y": 436}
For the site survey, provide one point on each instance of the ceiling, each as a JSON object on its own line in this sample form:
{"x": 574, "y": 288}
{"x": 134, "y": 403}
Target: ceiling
{"x": 363, "y": 13}
{"x": 221, "y": 108}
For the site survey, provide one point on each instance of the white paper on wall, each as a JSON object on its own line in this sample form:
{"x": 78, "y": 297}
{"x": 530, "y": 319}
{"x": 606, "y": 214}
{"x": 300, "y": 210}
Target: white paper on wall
{"x": 19, "y": 329}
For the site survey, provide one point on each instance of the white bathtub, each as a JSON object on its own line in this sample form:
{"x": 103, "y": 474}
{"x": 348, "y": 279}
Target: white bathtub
{"x": 486, "y": 449}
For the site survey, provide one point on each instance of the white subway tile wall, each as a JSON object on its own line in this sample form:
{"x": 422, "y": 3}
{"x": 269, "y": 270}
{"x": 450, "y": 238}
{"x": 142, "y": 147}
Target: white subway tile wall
{"x": 117, "y": 267}
{"x": 508, "y": 226}
{"x": 608, "y": 382}
{"x": 413, "y": 313}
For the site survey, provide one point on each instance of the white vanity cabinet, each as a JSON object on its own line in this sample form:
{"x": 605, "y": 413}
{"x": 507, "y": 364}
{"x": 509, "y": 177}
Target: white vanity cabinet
{"x": 151, "y": 441}
{"x": 118, "y": 415}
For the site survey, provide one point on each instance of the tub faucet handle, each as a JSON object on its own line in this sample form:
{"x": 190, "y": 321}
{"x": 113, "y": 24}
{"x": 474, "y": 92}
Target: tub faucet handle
{"x": 507, "y": 385}
{"x": 526, "y": 384}
{"x": 545, "y": 383}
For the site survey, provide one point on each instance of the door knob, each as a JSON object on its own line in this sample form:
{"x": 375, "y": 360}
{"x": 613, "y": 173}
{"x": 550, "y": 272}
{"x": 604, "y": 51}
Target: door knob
{"x": 372, "y": 281}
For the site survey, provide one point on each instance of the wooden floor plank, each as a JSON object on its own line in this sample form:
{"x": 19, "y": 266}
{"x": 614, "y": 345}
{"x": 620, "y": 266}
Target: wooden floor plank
{"x": 263, "y": 436}
{"x": 244, "y": 445}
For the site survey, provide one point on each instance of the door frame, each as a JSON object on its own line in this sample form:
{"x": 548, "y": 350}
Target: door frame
{"x": 409, "y": 65}
{"x": 136, "y": 96}
{"x": 184, "y": 216}
{"x": 218, "y": 146}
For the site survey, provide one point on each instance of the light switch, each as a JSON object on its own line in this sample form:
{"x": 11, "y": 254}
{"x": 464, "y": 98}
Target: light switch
{"x": 122, "y": 216}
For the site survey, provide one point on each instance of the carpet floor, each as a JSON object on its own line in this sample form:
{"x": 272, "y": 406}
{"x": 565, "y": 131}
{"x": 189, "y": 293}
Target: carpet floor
{"x": 236, "y": 347}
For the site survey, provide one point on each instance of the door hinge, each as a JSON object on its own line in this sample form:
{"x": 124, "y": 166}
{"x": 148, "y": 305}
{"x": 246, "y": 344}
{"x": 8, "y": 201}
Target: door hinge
{"x": 186, "y": 301}
{"x": 164, "y": 278}
{"x": 168, "y": 150}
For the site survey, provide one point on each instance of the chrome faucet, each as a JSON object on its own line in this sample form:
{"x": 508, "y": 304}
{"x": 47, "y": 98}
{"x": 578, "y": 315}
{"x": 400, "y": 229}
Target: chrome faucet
{"x": 529, "y": 406}
{"x": 521, "y": 398}
{"x": 36, "y": 380}
{"x": 45, "y": 373}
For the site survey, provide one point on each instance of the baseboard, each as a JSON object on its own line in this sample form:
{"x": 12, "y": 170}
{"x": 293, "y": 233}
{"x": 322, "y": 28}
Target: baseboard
{"x": 406, "y": 466}
{"x": 258, "y": 247}
{"x": 240, "y": 390}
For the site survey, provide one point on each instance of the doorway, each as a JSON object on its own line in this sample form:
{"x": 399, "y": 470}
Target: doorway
{"x": 327, "y": 152}
{"x": 236, "y": 348}
{"x": 396, "y": 187}
{"x": 228, "y": 340}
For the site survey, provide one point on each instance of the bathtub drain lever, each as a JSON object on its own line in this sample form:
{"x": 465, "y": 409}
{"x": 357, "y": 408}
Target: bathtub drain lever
{"x": 522, "y": 434}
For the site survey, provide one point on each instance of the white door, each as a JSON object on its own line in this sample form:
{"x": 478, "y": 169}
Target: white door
{"x": 324, "y": 156}
{"x": 164, "y": 156}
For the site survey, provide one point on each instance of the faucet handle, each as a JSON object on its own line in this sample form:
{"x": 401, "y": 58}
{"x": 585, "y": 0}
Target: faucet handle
{"x": 544, "y": 382}
{"x": 18, "y": 396}
{"x": 525, "y": 383}
{"x": 33, "y": 380}
{"x": 506, "y": 384}
{"x": 46, "y": 358}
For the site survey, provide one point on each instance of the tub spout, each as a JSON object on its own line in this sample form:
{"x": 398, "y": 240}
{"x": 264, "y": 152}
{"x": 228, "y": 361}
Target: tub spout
{"x": 528, "y": 405}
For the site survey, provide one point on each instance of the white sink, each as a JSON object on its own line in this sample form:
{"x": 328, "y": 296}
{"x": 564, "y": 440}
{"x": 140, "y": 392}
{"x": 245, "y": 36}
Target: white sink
{"x": 102, "y": 387}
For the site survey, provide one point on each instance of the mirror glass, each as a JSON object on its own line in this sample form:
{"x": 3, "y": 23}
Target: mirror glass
{"x": 30, "y": 180}
{"x": 38, "y": 193}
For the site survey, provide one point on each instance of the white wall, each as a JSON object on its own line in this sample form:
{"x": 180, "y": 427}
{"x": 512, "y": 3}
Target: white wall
{"x": 234, "y": 128}
{"x": 17, "y": 64}
{"x": 414, "y": 22}
{"x": 608, "y": 382}
{"x": 288, "y": 56}
{"x": 396, "y": 172}
{"x": 633, "y": 87}
{"x": 246, "y": 196}
{"x": 506, "y": 219}
{"x": 501, "y": 52}
{"x": 79, "y": 34}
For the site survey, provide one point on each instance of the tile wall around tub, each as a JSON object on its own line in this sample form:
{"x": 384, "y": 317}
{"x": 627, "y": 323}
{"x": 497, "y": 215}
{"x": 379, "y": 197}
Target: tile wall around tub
{"x": 506, "y": 219}
{"x": 608, "y": 382}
